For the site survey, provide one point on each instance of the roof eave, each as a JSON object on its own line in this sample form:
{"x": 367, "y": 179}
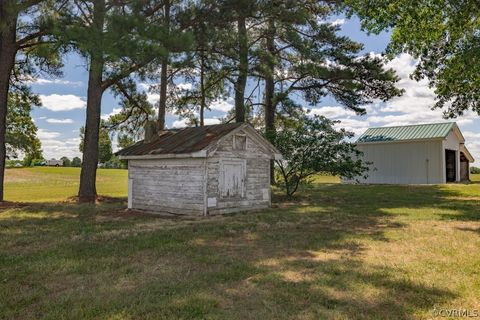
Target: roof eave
{"x": 467, "y": 153}
{"x": 198, "y": 154}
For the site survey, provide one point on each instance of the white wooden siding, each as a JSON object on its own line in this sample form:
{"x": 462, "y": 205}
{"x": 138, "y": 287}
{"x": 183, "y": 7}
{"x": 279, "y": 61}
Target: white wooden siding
{"x": 170, "y": 185}
{"x": 257, "y": 178}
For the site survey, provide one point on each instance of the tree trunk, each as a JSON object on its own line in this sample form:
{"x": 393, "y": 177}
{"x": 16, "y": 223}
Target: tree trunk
{"x": 88, "y": 191}
{"x": 162, "y": 103}
{"x": 203, "y": 103}
{"x": 242, "y": 69}
{"x": 270, "y": 104}
{"x": 7, "y": 62}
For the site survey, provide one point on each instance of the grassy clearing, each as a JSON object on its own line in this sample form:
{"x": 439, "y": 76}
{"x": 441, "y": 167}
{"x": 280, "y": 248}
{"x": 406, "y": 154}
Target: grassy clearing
{"x": 336, "y": 252}
{"x": 41, "y": 184}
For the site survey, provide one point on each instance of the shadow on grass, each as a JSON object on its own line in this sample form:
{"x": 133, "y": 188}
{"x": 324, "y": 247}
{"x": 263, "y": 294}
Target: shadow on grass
{"x": 303, "y": 259}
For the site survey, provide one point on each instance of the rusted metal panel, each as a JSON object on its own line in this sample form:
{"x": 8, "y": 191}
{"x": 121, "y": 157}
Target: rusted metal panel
{"x": 178, "y": 141}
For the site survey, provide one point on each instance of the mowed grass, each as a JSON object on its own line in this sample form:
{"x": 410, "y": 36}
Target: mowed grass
{"x": 335, "y": 252}
{"x": 42, "y": 184}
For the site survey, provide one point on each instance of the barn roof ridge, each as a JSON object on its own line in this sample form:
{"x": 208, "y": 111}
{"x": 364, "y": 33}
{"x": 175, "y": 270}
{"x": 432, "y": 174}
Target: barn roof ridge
{"x": 416, "y": 125}
{"x": 425, "y": 131}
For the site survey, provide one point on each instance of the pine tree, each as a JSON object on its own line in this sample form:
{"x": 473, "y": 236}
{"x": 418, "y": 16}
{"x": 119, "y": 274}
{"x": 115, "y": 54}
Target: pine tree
{"x": 117, "y": 39}
{"x": 26, "y": 42}
{"x": 204, "y": 69}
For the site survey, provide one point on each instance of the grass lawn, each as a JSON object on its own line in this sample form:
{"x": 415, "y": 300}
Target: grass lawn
{"x": 335, "y": 252}
{"x": 42, "y": 184}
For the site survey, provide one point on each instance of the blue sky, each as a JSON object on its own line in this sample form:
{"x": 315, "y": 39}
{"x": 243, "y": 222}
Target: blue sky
{"x": 64, "y": 100}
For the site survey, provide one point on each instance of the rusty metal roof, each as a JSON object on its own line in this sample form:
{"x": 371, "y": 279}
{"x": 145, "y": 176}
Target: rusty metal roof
{"x": 403, "y": 133}
{"x": 178, "y": 141}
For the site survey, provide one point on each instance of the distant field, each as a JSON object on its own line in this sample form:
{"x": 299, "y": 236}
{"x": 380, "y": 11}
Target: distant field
{"x": 44, "y": 184}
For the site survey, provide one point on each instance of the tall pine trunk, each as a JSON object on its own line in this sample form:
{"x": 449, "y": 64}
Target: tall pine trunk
{"x": 203, "y": 98}
{"x": 203, "y": 103}
{"x": 241, "y": 81}
{"x": 270, "y": 104}
{"x": 162, "y": 103}
{"x": 8, "y": 50}
{"x": 88, "y": 191}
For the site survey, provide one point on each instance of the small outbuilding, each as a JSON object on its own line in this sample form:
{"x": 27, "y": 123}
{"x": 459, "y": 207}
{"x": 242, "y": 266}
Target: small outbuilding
{"x": 200, "y": 170}
{"x": 415, "y": 154}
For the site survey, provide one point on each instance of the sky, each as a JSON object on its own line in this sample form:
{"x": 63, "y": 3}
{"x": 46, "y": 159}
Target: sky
{"x": 64, "y": 101}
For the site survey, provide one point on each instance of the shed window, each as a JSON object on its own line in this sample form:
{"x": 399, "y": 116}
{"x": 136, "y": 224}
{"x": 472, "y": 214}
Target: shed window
{"x": 240, "y": 142}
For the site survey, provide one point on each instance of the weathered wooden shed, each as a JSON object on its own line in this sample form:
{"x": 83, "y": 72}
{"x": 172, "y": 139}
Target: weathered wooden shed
{"x": 416, "y": 154}
{"x": 200, "y": 170}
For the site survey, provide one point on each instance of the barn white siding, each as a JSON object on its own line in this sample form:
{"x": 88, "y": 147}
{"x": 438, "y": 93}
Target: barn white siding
{"x": 168, "y": 185}
{"x": 238, "y": 179}
{"x": 419, "y": 162}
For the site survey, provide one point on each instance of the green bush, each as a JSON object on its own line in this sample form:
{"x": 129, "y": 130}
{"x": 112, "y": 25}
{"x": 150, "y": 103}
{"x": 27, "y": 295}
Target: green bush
{"x": 475, "y": 170}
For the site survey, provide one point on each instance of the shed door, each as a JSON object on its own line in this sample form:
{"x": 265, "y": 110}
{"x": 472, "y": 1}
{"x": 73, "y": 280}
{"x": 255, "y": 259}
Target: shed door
{"x": 232, "y": 178}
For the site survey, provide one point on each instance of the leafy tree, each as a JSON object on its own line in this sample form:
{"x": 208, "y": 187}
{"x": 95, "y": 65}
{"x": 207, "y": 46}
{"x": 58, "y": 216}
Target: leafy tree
{"x": 66, "y": 161}
{"x": 312, "y": 146}
{"x": 115, "y": 163}
{"x": 124, "y": 141}
{"x": 204, "y": 69}
{"x": 301, "y": 54}
{"x": 76, "y": 162}
{"x": 104, "y": 143}
{"x": 304, "y": 55}
{"x": 25, "y": 43}
{"x": 117, "y": 38}
{"x": 474, "y": 170}
{"x": 443, "y": 34}
{"x": 135, "y": 112}
{"x": 21, "y": 134}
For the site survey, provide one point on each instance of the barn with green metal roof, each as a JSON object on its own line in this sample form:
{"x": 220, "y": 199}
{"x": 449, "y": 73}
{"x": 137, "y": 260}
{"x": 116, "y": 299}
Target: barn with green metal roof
{"x": 415, "y": 154}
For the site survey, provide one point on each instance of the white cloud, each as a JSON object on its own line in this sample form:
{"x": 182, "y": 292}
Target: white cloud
{"x": 337, "y": 22}
{"x": 54, "y": 146}
{"x": 332, "y": 112}
{"x": 59, "y": 121}
{"x": 47, "y": 135}
{"x": 42, "y": 82}
{"x": 182, "y": 123}
{"x": 114, "y": 112}
{"x": 210, "y": 121}
{"x": 356, "y": 126}
{"x": 153, "y": 98}
{"x": 184, "y": 86}
{"x": 222, "y": 105}
{"x": 57, "y": 102}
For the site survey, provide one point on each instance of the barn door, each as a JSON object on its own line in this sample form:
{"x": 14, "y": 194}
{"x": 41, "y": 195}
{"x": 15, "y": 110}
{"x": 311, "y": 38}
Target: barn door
{"x": 451, "y": 165}
{"x": 232, "y": 178}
